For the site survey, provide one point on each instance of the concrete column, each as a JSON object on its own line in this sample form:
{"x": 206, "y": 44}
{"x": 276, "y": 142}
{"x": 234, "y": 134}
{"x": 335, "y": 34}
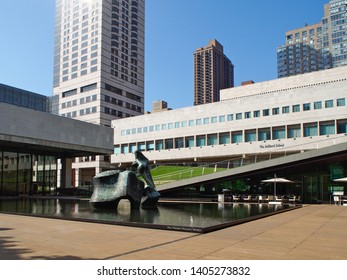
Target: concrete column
{"x": 66, "y": 173}
{"x": 77, "y": 177}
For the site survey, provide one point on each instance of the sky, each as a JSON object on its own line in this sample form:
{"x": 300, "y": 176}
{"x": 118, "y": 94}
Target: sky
{"x": 250, "y": 32}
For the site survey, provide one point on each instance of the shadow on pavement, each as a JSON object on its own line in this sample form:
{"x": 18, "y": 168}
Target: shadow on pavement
{"x": 10, "y": 250}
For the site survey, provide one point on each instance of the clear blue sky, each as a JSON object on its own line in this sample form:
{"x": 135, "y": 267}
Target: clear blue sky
{"x": 250, "y": 32}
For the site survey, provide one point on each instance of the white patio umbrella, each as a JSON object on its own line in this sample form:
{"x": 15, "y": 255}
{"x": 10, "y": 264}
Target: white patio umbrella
{"x": 344, "y": 179}
{"x": 276, "y": 180}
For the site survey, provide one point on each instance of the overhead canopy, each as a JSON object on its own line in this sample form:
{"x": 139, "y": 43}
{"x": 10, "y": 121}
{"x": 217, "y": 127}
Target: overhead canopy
{"x": 341, "y": 180}
{"x": 25, "y": 130}
{"x": 277, "y": 180}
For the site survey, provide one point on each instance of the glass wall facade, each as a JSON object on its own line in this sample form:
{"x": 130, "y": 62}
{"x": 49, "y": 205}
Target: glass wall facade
{"x": 27, "y": 174}
{"x": 313, "y": 183}
{"x": 23, "y": 98}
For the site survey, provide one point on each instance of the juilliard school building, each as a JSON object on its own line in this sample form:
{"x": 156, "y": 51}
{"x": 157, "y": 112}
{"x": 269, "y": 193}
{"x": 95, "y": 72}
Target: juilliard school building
{"x": 251, "y": 123}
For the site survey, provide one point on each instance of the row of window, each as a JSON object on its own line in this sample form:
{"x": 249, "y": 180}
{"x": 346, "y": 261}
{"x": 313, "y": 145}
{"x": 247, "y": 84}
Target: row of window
{"x": 126, "y": 22}
{"x": 82, "y": 100}
{"x": 233, "y": 137}
{"x": 238, "y": 116}
{"x": 82, "y": 112}
{"x": 124, "y": 104}
{"x": 93, "y": 110}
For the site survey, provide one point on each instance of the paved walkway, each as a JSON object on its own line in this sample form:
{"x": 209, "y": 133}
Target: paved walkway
{"x": 312, "y": 232}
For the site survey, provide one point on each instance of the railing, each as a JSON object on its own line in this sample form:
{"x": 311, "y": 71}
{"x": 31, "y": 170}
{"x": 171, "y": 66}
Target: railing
{"x": 200, "y": 169}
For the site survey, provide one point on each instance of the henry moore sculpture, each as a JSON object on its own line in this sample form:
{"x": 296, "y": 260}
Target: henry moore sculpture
{"x": 112, "y": 186}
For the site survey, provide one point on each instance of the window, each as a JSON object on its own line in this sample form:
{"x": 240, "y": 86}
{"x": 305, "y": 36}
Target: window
{"x": 191, "y": 122}
{"x": 168, "y": 144}
{"x": 326, "y": 128}
{"x": 342, "y": 126}
{"x": 212, "y": 139}
{"x": 221, "y": 118}
{"x": 247, "y": 115}
{"x": 256, "y": 114}
{"x": 264, "y": 134}
{"x": 132, "y": 147}
{"x": 341, "y": 102}
{"x": 275, "y": 111}
{"x": 141, "y": 146}
{"x": 224, "y": 138}
{"x": 237, "y": 137}
{"x": 206, "y": 120}
{"x": 250, "y": 135}
{"x": 88, "y": 87}
{"x": 170, "y": 126}
{"x": 198, "y": 121}
{"x": 294, "y": 131}
{"x": 230, "y": 117}
{"x": 329, "y": 104}
{"x": 306, "y": 107}
{"x": 266, "y": 112}
{"x": 69, "y": 93}
{"x": 201, "y": 141}
{"x": 159, "y": 145}
{"x": 179, "y": 143}
{"x": 296, "y": 108}
{"x": 278, "y": 133}
{"x": 310, "y": 129}
{"x": 190, "y": 142}
{"x": 239, "y": 116}
{"x": 124, "y": 148}
{"x": 214, "y": 120}
{"x": 116, "y": 149}
{"x": 317, "y": 105}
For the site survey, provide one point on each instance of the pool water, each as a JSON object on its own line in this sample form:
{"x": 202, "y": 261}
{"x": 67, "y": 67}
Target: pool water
{"x": 187, "y": 216}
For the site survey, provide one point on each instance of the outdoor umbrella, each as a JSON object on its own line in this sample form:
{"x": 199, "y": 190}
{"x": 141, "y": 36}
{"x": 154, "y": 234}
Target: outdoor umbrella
{"x": 276, "y": 180}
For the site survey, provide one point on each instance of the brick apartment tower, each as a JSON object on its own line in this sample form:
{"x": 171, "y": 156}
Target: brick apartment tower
{"x": 213, "y": 71}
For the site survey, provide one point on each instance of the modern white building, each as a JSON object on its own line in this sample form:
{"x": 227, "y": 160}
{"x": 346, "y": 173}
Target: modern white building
{"x": 98, "y": 67}
{"x": 277, "y": 117}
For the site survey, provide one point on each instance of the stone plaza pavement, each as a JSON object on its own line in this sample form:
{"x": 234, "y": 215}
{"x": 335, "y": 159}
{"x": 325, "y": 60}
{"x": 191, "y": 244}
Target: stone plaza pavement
{"x": 313, "y": 232}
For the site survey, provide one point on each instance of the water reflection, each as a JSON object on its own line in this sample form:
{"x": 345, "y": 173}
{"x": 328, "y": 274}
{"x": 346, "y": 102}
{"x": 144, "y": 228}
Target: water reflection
{"x": 194, "y": 215}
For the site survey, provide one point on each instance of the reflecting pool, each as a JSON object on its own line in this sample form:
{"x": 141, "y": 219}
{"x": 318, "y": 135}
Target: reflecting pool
{"x": 187, "y": 216}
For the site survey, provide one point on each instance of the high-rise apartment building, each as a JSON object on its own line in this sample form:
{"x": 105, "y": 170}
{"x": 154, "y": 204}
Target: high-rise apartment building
{"x": 318, "y": 46}
{"x": 213, "y": 71}
{"x": 98, "y": 66}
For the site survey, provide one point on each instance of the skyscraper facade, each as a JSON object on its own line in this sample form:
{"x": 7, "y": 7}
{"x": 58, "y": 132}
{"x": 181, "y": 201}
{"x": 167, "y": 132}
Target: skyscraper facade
{"x": 213, "y": 71}
{"x": 98, "y": 66}
{"x": 318, "y": 46}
